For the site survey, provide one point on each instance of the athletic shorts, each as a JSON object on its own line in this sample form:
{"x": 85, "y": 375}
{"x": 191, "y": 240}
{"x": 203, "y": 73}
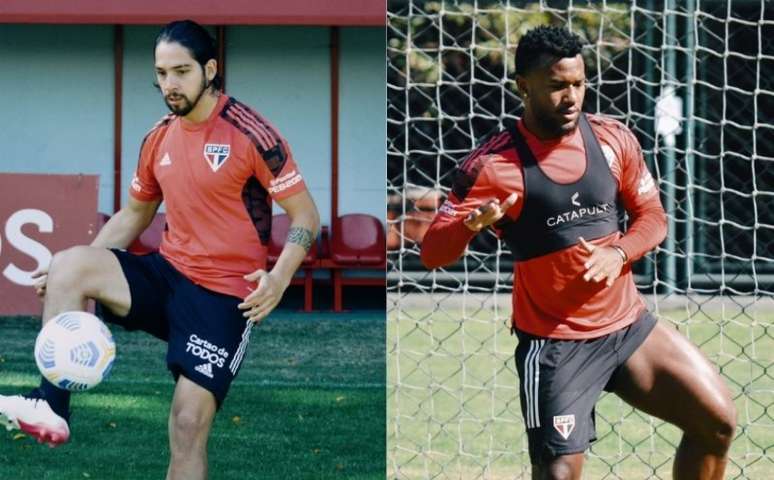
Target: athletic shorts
{"x": 561, "y": 381}
{"x": 205, "y": 332}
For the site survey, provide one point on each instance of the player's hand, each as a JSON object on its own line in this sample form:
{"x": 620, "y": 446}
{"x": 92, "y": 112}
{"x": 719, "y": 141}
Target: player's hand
{"x": 604, "y": 263}
{"x": 489, "y": 212}
{"x": 40, "y": 277}
{"x": 261, "y": 301}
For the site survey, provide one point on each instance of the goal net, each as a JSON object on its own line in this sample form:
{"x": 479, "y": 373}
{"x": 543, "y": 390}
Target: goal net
{"x": 695, "y": 81}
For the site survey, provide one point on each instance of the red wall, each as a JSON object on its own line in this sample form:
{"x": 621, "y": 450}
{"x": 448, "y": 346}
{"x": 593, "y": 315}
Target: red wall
{"x": 39, "y": 216}
{"x": 220, "y": 12}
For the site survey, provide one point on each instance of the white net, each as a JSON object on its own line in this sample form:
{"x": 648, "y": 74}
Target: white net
{"x": 695, "y": 82}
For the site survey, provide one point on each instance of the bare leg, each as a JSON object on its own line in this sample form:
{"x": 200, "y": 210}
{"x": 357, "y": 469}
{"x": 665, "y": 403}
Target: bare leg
{"x": 564, "y": 467}
{"x": 669, "y": 378}
{"x": 190, "y": 420}
{"x": 80, "y": 273}
{"x": 75, "y": 275}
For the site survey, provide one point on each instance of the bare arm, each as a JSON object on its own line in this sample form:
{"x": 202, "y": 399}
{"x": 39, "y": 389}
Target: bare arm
{"x": 304, "y": 225}
{"x": 122, "y": 228}
{"x": 126, "y": 224}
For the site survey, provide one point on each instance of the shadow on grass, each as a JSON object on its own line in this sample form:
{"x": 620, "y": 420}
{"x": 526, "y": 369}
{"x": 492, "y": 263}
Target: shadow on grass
{"x": 308, "y": 403}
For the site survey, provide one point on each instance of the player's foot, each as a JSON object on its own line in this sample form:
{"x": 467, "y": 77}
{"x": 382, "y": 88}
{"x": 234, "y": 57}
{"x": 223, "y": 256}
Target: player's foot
{"x": 34, "y": 417}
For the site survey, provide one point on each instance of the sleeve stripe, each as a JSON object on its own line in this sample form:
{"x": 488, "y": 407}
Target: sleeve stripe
{"x": 466, "y": 178}
{"x": 258, "y": 137}
{"x": 249, "y": 134}
{"x": 245, "y": 117}
{"x": 256, "y": 122}
{"x": 496, "y": 142}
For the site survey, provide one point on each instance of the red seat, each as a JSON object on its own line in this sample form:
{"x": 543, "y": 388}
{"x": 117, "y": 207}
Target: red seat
{"x": 150, "y": 240}
{"x": 280, "y": 224}
{"x": 358, "y": 239}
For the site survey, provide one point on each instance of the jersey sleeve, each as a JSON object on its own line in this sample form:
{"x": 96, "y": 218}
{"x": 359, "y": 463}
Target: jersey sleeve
{"x": 144, "y": 186}
{"x": 447, "y": 237}
{"x": 637, "y": 184}
{"x": 276, "y": 169}
{"x": 640, "y": 198}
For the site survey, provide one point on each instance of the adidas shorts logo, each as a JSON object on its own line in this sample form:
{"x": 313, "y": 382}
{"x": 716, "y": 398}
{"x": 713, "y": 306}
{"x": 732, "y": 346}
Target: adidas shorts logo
{"x": 205, "y": 369}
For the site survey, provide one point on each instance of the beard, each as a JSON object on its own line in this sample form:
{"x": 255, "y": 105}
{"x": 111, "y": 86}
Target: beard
{"x": 185, "y": 104}
{"x": 556, "y": 126}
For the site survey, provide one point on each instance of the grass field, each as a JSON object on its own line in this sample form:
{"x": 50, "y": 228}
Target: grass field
{"x": 453, "y": 407}
{"x": 309, "y": 402}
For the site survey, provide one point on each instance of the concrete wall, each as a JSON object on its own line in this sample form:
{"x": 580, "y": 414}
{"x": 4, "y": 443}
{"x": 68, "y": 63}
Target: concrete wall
{"x": 284, "y": 73}
{"x": 56, "y": 88}
{"x": 362, "y": 122}
{"x": 56, "y": 92}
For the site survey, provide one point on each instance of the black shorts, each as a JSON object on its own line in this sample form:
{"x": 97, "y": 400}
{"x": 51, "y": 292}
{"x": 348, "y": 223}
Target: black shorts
{"x": 205, "y": 331}
{"x": 561, "y": 381}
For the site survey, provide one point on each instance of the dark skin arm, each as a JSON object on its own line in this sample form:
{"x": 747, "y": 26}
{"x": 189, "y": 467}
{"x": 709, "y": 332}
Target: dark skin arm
{"x": 604, "y": 263}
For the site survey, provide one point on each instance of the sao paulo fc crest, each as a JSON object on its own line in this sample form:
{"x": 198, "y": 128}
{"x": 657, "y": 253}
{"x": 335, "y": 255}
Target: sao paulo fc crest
{"x": 216, "y": 155}
{"x": 564, "y": 424}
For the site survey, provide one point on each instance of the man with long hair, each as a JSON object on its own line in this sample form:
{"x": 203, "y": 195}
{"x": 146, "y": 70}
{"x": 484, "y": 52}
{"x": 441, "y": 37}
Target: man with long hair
{"x": 217, "y": 165}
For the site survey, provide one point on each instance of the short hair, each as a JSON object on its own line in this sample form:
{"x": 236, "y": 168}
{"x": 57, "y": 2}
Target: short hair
{"x": 557, "y": 42}
{"x": 196, "y": 39}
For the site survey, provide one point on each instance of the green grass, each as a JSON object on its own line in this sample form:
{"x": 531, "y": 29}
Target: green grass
{"x": 453, "y": 407}
{"x": 309, "y": 402}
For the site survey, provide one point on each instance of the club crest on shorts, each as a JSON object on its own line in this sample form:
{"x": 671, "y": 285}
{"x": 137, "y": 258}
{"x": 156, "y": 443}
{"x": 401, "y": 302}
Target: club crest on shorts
{"x": 216, "y": 155}
{"x": 564, "y": 424}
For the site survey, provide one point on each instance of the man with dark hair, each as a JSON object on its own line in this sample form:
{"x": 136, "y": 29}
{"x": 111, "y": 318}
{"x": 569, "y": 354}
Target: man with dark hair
{"x": 218, "y": 165}
{"x": 553, "y": 187}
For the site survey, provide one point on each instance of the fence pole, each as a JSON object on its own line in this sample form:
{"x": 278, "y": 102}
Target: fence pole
{"x": 690, "y": 93}
{"x": 668, "y": 80}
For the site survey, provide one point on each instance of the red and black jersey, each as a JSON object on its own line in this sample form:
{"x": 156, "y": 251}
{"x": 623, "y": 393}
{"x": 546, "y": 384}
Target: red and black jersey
{"x": 218, "y": 179}
{"x": 550, "y": 297}
{"x": 555, "y": 214}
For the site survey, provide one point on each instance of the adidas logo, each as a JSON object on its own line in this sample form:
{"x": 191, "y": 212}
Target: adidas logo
{"x": 166, "y": 160}
{"x": 205, "y": 369}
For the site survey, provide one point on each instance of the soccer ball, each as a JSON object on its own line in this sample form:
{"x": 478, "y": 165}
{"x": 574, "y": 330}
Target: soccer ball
{"x": 75, "y": 351}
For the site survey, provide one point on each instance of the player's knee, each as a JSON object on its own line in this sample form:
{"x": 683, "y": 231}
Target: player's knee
{"x": 718, "y": 427}
{"x": 189, "y": 425}
{"x": 559, "y": 468}
{"x": 725, "y": 424}
{"x": 68, "y": 268}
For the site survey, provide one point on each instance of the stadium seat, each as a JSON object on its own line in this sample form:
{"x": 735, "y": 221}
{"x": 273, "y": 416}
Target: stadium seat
{"x": 279, "y": 233}
{"x": 357, "y": 241}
